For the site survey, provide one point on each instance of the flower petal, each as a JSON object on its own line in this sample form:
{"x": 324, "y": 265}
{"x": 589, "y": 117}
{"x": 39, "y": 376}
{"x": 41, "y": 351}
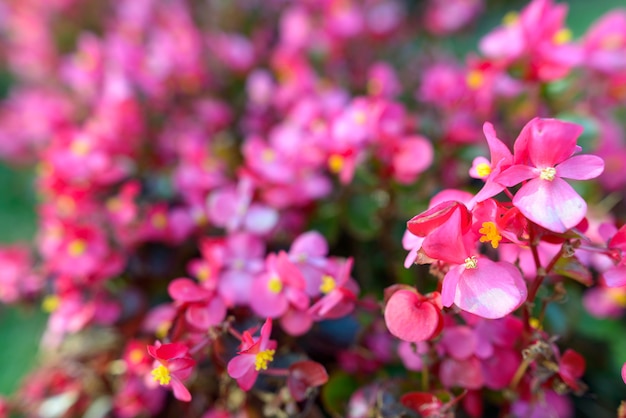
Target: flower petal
{"x": 581, "y": 167}
{"x": 515, "y": 175}
{"x": 552, "y": 141}
{"x": 554, "y": 205}
{"x": 410, "y": 317}
{"x": 491, "y": 290}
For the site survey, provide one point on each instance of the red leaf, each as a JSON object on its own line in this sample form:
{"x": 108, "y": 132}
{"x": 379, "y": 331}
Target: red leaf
{"x": 425, "y": 404}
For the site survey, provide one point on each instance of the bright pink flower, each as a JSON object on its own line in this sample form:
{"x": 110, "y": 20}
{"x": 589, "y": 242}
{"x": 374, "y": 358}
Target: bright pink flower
{"x": 413, "y": 317}
{"x": 253, "y": 356}
{"x": 605, "y": 43}
{"x": 339, "y": 293}
{"x": 309, "y": 253}
{"x": 543, "y": 156}
{"x": 571, "y": 368}
{"x": 279, "y": 287}
{"x": 172, "y": 365}
{"x": 203, "y": 308}
{"x": 624, "y": 372}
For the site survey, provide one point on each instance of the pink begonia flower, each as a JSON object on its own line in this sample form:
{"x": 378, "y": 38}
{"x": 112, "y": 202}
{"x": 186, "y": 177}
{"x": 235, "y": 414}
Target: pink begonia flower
{"x": 382, "y": 81}
{"x": 444, "y": 17}
{"x": 543, "y": 157}
{"x": 309, "y": 253}
{"x": 172, "y": 365}
{"x": 465, "y": 373}
{"x": 624, "y": 372}
{"x": 203, "y": 308}
{"x": 412, "y": 156}
{"x": 253, "y": 356}
{"x": 537, "y": 38}
{"x": 279, "y": 287}
{"x": 605, "y": 302}
{"x": 500, "y": 159}
{"x": 412, "y": 354}
{"x": 616, "y": 276}
{"x": 605, "y": 43}
{"x": 413, "y": 317}
{"x": 339, "y": 293}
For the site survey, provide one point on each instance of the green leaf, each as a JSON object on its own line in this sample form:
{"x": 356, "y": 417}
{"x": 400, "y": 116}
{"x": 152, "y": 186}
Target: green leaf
{"x": 572, "y": 268}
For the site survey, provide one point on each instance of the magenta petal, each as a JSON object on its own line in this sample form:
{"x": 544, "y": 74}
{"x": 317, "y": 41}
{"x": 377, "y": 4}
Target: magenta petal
{"x": 448, "y": 288}
{"x": 240, "y": 365}
{"x": 555, "y": 205}
{"x": 615, "y": 277}
{"x": 460, "y": 342}
{"x": 296, "y": 322}
{"x": 445, "y": 242}
{"x": 204, "y": 316}
{"x": 410, "y": 317}
{"x": 491, "y": 290}
{"x": 515, "y": 175}
{"x": 499, "y": 151}
{"x": 461, "y": 373}
{"x": 181, "y": 367}
{"x": 180, "y": 391}
{"x": 186, "y": 290}
{"x": 499, "y": 369}
{"x": 172, "y": 350}
{"x": 552, "y": 141}
{"x": 266, "y": 303}
{"x": 581, "y": 167}
{"x": 310, "y": 243}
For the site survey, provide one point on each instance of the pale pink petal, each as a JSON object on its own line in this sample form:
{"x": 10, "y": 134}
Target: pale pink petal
{"x": 460, "y": 342}
{"x": 450, "y": 282}
{"x": 615, "y": 277}
{"x": 240, "y": 365}
{"x": 624, "y": 372}
{"x": 461, "y": 373}
{"x": 182, "y": 367}
{"x": 411, "y": 317}
{"x": 180, "y": 391}
{"x": 296, "y": 322}
{"x": 310, "y": 243}
{"x": 499, "y": 151}
{"x": 515, "y": 175}
{"x": 260, "y": 219}
{"x": 491, "y": 290}
{"x": 266, "y": 303}
{"x": 552, "y": 141}
{"x": 445, "y": 242}
{"x": 204, "y": 316}
{"x": 555, "y": 205}
{"x": 581, "y": 167}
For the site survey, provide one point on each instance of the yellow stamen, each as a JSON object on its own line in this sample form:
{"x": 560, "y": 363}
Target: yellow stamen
{"x": 203, "y": 274}
{"x": 360, "y": 117}
{"x": 159, "y": 220}
{"x": 562, "y": 36}
{"x": 547, "y": 173}
{"x": 262, "y": 358}
{"x": 535, "y": 324}
{"x": 268, "y": 155}
{"x": 50, "y": 303}
{"x": 490, "y": 234}
{"x": 80, "y": 147}
{"x": 77, "y": 247}
{"x": 471, "y": 262}
{"x": 163, "y": 329}
{"x": 510, "y": 18}
{"x": 335, "y": 163}
{"x": 328, "y": 284}
{"x": 136, "y": 356}
{"x": 483, "y": 170}
{"x": 275, "y": 285}
{"x": 474, "y": 79}
{"x": 161, "y": 375}
{"x": 618, "y": 296}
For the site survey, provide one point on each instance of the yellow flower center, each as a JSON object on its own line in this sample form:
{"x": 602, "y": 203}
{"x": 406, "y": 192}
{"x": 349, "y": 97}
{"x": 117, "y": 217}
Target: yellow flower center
{"x": 275, "y": 285}
{"x": 618, "y": 296}
{"x": 535, "y": 324}
{"x": 490, "y": 234}
{"x": 547, "y": 173}
{"x": 80, "y": 147}
{"x": 136, "y": 356}
{"x": 328, "y": 284}
{"x": 335, "y": 163}
{"x": 474, "y": 79}
{"x": 159, "y": 220}
{"x": 471, "y": 262}
{"x": 162, "y": 330}
{"x": 612, "y": 41}
{"x": 262, "y": 358}
{"x": 77, "y": 247}
{"x": 50, "y": 303}
{"x": 203, "y": 274}
{"x": 360, "y": 117}
{"x": 562, "y": 36}
{"x": 483, "y": 170}
{"x": 268, "y": 155}
{"x": 161, "y": 375}
{"x": 510, "y": 18}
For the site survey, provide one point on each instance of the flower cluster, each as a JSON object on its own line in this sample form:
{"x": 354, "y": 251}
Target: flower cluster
{"x": 223, "y": 188}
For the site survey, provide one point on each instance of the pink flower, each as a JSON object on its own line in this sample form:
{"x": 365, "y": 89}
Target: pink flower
{"x": 543, "y": 156}
{"x": 172, "y": 365}
{"x": 413, "y": 317}
{"x": 254, "y": 356}
{"x": 281, "y": 286}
